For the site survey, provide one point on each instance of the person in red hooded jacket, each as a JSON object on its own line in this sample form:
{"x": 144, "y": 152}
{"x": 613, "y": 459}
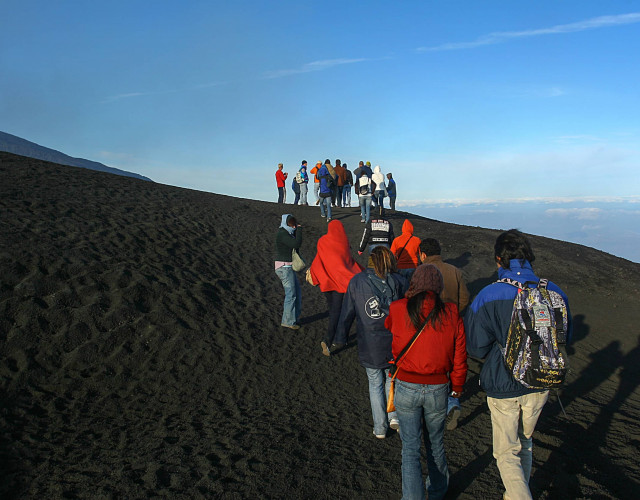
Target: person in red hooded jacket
{"x": 436, "y": 358}
{"x": 332, "y": 269}
{"x": 406, "y": 248}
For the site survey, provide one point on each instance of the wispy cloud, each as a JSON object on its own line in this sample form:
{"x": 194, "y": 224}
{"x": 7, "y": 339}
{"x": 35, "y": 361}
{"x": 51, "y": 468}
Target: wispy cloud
{"x": 130, "y": 95}
{"x": 589, "y": 213}
{"x": 312, "y": 66}
{"x": 503, "y": 36}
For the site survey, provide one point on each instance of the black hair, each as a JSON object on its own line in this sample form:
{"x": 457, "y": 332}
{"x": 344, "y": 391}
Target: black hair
{"x": 512, "y": 244}
{"x": 327, "y": 161}
{"x": 292, "y": 221}
{"x": 414, "y": 309}
{"x": 430, "y": 246}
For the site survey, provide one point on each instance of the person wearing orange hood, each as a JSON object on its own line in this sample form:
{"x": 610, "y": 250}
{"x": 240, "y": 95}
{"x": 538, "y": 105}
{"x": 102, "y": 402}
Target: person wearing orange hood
{"x": 406, "y": 248}
{"x": 332, "y": 269}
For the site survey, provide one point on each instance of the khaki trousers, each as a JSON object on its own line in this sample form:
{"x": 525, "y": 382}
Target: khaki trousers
{"x": 513, "y": 421}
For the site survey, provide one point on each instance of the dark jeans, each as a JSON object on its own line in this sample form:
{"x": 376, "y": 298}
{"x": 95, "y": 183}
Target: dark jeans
{"x": 280, "y": 194}
{"x": 295, "y": 202}
{"x": 334, "y": 302}
{"x": 339, "y": 195}
{"x": 392, "y": 202}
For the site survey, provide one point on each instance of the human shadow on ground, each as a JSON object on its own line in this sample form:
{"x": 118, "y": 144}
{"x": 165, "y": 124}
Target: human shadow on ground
{"x": 477, "y": 285}
{"x": 460, "y": 261}
{"x": 576, "y": 454}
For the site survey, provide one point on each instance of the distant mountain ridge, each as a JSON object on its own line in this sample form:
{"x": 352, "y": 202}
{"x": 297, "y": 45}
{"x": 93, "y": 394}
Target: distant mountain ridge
{"x": 16, "y": 145}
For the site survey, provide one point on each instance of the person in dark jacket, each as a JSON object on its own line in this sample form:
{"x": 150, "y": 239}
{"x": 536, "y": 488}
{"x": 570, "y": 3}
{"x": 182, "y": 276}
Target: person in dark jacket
{"x": 391, "y": 191}
{"x": 367, "y": 299}
{"x": 377, "y": 232}
{"x": 327, "y": 177}
{"x": 514, "y": 408}
{"x": 288, "y": 237}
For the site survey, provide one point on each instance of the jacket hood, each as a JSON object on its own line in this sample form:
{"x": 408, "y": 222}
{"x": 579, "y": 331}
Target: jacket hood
{"x": 377, "y": 170}
{"x": 407, "y": 227}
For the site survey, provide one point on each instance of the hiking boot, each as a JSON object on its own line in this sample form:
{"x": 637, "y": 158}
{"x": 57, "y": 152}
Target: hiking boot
{"x": 452, "y": 418}
{"x": 325, "y": 348}
{"x": 293, "y": 327}
{"x": 394, "y": 424}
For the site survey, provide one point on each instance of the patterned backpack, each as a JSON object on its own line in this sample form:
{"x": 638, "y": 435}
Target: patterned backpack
{"x": 535, "y": 351}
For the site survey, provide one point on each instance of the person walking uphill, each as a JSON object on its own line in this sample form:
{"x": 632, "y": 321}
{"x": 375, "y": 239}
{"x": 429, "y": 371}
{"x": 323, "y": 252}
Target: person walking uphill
{"x": 406, "y": 248}
{"x": 288, "y": 237}
{"x": 367, "y": 299}
{"x": 381, "y": 189}
{"x": 455, "y": 291}
{"x": 515, "y": 408}
{"x": 316, "y": 181}
{"x": 281, "y": 178}
{"x": 339, "y": 170}
{"x": 435, "y": 358}
{"x": 332, "y": 269}
{"x": 302, "y": 179}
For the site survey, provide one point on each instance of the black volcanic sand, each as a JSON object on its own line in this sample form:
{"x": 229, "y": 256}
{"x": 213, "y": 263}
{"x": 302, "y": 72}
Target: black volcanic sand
{"x": 142, "y": 357}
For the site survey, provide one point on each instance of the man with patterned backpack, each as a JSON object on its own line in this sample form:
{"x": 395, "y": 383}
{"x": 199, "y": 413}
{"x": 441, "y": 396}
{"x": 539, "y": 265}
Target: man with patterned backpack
{"x": 519, "y": 326}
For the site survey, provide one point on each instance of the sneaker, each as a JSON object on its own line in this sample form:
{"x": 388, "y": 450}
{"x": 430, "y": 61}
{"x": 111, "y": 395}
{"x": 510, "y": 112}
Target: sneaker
{"x": 293, "y": 327}
{"x": 379, "y": 436}
{"x": 325, "y": 348}
{"x": 394, "y": 424}
{"x": 317, "y": 202}
{"x": 452, "y": 418}
{"x": 322, "y": 215}
{"x": 361, "y": 220}
{"x": 328, "y": 219}
{"x": 336, "y": 347}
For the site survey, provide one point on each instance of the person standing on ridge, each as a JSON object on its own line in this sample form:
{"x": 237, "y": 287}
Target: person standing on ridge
{"x": 281, "y": 178}
{"x": 339, "y": 170}
{"x": 381, "y": 188}
{"x": 302, "y": 178}
{"x": 391, "y": 191}
{"x": 346, "y": 189}
{"x": 316, "y": 181}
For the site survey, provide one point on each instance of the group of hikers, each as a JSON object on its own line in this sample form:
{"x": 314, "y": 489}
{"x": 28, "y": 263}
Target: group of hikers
{"x": 332, "y": 187}
{"x": 414, "y": 328}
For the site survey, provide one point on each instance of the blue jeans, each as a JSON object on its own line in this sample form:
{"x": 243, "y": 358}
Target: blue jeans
{"x": 379, "y": 383}
{"x": 325, "y": 206}
{"x": 365, "y": 207}
{"x": 303, "y": 193}
{"x": 346, "y": 195}
{"x": 280, "y": 195}
{"x": 292, "y": 295}
{"x": 418, "y": 404}
{"x": 452, "y": 403}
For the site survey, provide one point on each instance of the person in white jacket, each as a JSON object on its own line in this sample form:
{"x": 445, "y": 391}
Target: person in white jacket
{"x": 381, "y": 188}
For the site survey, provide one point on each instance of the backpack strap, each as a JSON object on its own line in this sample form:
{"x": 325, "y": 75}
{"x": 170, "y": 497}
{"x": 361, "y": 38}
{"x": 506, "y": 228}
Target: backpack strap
{"x": 405, "y": 246}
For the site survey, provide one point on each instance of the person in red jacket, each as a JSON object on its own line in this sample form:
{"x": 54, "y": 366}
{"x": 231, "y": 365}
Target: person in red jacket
{"x": 406, "y": 248}
{"x": 332, "y": 269}
{"x": 281, "y": 177}
{"x": 436, "y": 358}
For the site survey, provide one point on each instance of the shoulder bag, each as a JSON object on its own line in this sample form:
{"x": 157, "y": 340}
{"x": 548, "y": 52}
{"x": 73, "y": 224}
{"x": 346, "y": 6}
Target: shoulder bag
{"x": 394, "y": 369}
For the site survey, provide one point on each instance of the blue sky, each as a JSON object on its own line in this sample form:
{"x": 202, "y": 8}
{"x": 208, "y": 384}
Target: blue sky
{"x": 461, "y": 100}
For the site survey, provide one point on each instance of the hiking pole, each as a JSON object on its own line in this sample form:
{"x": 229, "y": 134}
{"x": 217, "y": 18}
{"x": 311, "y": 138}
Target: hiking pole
{"x": 561, "y": 405}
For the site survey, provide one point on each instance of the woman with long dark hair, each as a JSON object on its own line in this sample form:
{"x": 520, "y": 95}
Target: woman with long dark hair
{"x": 436, "y": 358}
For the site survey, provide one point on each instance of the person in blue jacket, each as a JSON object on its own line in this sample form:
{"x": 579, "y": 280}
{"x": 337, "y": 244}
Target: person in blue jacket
{"x": 367, "y": 300}
{"x": 514, "y": 408}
